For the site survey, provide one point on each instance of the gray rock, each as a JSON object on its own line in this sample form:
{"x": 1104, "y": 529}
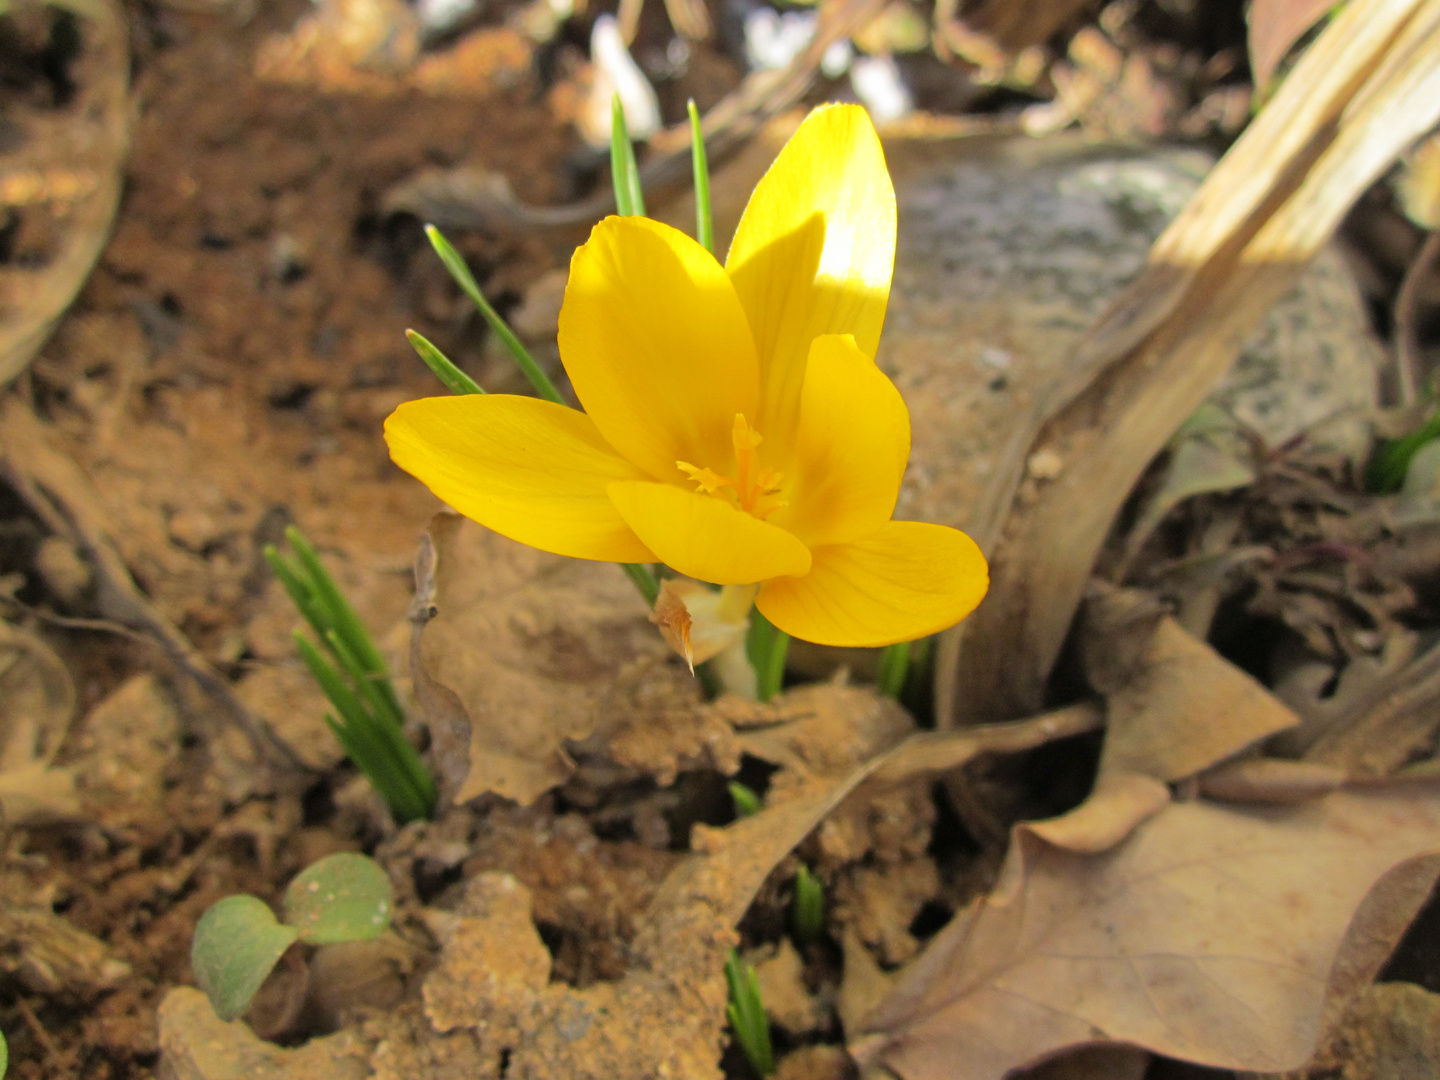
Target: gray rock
{"x": 1010, "y": 249}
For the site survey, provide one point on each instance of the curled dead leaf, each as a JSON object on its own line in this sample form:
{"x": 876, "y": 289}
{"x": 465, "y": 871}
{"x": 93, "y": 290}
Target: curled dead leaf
{"x": 1186, "y": 708}
{"x": 1212, "y": 934}
{"x": 526, "y": 651}
{"x": 1117, "y": 805}
{"x": 1269, "y": 780}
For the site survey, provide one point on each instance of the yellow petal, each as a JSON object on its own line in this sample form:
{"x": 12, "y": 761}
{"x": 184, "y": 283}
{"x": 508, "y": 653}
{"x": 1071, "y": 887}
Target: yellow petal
{"x": 850, "y": 449}
{"x": 657, "y": 346}
{"x": 707, "y": 538}
{"x": 529, "y": 469}
{"x": 814, "y": 252}
{"x": 908, "y": 580}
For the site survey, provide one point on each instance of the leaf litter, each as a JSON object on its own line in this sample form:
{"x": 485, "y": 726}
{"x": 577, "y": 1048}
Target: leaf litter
{"x": 706, "y": 892}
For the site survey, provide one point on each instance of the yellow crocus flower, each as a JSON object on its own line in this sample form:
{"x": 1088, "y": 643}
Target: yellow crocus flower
{"x": 736, "y": 427}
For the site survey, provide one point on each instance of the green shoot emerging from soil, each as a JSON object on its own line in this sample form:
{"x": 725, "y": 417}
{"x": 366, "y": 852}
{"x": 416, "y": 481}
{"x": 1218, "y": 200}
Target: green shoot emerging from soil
{"x": 747, "y": 1014}
{"x": 807, "y": 916}
{"x": 238, "y": 941}
{"x": 371, "y": 724}
{"x": 747, "y": 803}
{"x": 629, "y": 198}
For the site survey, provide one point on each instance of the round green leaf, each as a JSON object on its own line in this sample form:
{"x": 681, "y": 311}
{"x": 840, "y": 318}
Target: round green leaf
{"x": 237, "y": 943}
{"x": 344, "y": 897}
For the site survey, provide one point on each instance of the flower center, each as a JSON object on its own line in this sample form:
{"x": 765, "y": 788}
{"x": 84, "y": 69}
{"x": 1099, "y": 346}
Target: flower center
{"x": 752, "y": 488}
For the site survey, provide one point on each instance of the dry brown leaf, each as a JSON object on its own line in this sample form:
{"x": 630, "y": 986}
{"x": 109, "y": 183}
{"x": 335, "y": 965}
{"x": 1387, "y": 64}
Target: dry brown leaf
{"x": 1269, "y": 780}
{"x": 1216, "y": 935}
{"x": 534, "y": 649}
{"x": 1274, "y": 28}
{"x": 1185, "y": 709}
{"x": 1113, "y": 810}
{"x": 1358, "y": 98}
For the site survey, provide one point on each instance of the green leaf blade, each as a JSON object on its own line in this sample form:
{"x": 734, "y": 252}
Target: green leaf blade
{"x": 468, "y": 285}
{"x": 624, "y": 172}
{"x": 343, "y": 897}
{"x": 238, "y": 942}
{"x": 700, "y": 167}
{"x": 455, "y": 380}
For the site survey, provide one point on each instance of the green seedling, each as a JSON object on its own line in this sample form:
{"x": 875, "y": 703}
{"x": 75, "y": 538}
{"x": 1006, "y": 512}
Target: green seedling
{"x": 1391, "y": 460}
{"x": 471, "y": 288}
{"x": 629, "y": 196}
{"x": 747, "y": 803}
{"x": 704, "y": 220}
{"x": 767, "y": 646}
{"x": 4, "y": 1046}
{"x": 351, "y": 671}
{"x": 894, "y": 667}
{"x": 747, "y": 1014}
{"x": 455, "y": 380}
{"x": 238, "y": 941}
{"x": 807, "y": 913}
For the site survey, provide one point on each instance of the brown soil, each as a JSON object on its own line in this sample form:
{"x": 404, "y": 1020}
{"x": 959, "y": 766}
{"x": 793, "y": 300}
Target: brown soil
{"x": 224, "y": 373}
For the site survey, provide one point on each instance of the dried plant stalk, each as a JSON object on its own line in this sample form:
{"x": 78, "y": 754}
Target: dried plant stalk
{"x": 1368, "y": 88}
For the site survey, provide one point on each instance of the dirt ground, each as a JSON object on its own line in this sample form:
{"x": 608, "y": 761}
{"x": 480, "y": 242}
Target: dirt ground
{"x": 224, "y": 373}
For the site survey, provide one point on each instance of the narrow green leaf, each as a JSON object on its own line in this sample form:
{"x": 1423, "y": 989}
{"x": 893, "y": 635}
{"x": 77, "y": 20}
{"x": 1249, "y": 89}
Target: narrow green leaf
{"x": 384, "y": 707}
{"x": 340, "y": 615}
{"x": 1391, "y": 461}
{"x": 375, "y": 754}
{"x": 238, "y": 942}
{"x": 299, "y": 592}
{"x": 767, "y": 646}
{"x": 894, "y": 666}
{"x": 807, "y": 914}
{"x": 624, "y": 172}
{"x": 455, "y": 380}
{"x": 466, "y": 280}
{"x": 747, "y": 803}
{"x": 747, "y": 1014}
{"x": 342, "y": 897}
{"x": 704, "y": 220}
{"x": 347, "y": 703}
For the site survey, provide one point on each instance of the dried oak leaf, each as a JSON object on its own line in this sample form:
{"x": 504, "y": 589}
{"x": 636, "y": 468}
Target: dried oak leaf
{"x": 1184, "y": 709}
{"x": 1228, "y": 937}
{"x": 527, "y": 650}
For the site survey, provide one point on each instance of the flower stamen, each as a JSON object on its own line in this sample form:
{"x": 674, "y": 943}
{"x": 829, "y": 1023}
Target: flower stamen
{"x": 753, "y": 487}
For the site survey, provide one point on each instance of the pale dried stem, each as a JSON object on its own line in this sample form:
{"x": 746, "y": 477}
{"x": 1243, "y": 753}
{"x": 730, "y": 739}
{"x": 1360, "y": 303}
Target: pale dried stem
{"x": 1366, "y": 90}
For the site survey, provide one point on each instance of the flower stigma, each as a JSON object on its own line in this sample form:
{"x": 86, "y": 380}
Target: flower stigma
{"x": 753, "y": 488}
